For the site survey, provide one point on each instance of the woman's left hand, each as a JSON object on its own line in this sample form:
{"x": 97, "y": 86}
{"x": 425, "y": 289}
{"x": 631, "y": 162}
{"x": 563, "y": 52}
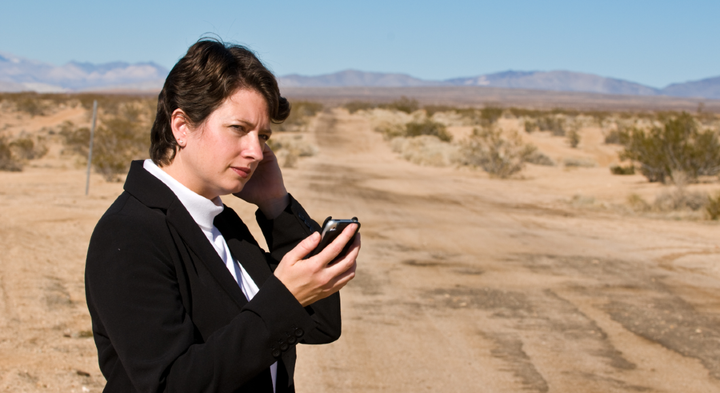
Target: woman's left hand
{"x": 266, "y": 188}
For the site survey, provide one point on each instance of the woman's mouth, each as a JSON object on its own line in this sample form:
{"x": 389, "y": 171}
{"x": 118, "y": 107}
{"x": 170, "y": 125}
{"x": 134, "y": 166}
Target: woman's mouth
{"x": 242, "y": 172}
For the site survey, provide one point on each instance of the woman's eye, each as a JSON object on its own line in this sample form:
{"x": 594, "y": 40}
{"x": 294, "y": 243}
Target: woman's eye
{"x": 265, "y": 137}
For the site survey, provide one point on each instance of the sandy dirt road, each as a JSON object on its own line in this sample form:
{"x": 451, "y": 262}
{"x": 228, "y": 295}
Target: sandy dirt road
{"x": 468, "y": 284}
{"x": 465, "y": 284}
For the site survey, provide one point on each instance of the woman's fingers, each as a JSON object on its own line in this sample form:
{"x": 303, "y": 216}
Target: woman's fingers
{"x": 304, "y": 247}
{"x": 310, "y": 280}
{"x": 335, "y": 248}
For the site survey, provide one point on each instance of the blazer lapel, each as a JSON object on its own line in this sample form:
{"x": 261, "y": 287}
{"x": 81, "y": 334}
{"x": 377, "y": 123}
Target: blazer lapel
{"x": 243, "y": 246}
{"x": 154, "y": 193}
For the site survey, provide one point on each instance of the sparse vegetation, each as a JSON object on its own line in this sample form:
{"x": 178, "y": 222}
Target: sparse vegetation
{"x": 354, "y": 106}
{"x": 404, "y": 104}
{"x": 118, "y": 140}
{"x": 612, "y": 138}
{"x": 300, "y": 116}
{"x": 622, "y": 170}
{"x": 573, "y": 138}
{"x": 426, "y": 150}
{"x": 678, "y": 146}
{"x": 499, "y": 155}
{"x": 416, "y": 129}
{"x": 14, "y": 153}
{"x": 428, "y": 127}
{"x": 8, "y": 161}
{"x": 712, "y": 207}
{"x": 289, "y": 148}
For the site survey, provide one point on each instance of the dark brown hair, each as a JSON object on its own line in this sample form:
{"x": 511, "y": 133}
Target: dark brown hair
{"x": 199, "y": 83}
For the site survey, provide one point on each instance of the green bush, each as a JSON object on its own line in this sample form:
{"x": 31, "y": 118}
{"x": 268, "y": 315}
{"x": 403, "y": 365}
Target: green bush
{"x": 498, "y": 155}
{"x": 678, "y": 146}
{"x": 428, "y": 127}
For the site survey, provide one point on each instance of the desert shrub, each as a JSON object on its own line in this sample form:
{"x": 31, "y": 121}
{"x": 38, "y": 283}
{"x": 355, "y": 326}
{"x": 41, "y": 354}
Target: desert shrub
{"x": 678, "y": 146}
{"x": 75, "y": 140}
{"x": 637, "y": 203}
{"x": 551, "y": 123}
{"x": 538, "y": 158}
{"x": 27, "y": 148}
{"x": 112, "y": 104}
{"x": 490, "y": 115}
{"x": 679, "y": 199}
{"x": 573, "y": 138}
{"x": 404, "y": 104}
{"x": 8, "y": 161}
{"x": 300, "y": 115}
{"x": 27, "y": 102}
{"x": 612, "y": 137}
{"x": 712, "y": 207}
{"x": 530, "y": 125}
{"x": 120, "y": 139}
{"x": 354, "y": 106}
{"x": 426, "y": 150}
{"x": 290, "y": 148}
{"x": 499, "y": 155}
{"x": 428, "y": 127}
{"x": 622, "y": 170}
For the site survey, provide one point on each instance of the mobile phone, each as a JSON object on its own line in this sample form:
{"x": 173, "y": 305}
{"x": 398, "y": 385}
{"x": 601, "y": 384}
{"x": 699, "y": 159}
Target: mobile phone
{"x": 331, "y": 228}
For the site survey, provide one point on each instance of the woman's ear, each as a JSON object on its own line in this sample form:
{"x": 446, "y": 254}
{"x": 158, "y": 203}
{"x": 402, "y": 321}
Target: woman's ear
{"x": 180, "y": 126}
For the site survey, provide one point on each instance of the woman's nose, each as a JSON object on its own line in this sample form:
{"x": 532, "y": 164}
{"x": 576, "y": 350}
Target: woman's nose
{"x": 253, "y": 148}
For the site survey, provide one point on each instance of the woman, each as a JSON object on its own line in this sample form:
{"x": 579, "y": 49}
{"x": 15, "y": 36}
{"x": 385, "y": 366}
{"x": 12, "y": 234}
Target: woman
{"x": 181, "y": 296}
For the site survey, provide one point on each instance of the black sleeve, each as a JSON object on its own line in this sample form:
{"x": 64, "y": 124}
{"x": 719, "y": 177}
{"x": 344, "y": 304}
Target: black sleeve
{"x": 282, "y": 234}
{"x": 146, "y": 340}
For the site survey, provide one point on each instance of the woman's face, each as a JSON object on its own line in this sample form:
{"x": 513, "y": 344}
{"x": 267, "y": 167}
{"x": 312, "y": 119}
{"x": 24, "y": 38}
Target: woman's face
{"x": 221, "y": 154}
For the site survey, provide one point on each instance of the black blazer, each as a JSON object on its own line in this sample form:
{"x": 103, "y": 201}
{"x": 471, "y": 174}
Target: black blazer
{"x": 167, "y": 315}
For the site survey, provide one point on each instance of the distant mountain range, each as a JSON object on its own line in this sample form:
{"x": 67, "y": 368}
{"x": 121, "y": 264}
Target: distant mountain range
{"x": 537, "y": 80}
{"x": 18, "y": 74}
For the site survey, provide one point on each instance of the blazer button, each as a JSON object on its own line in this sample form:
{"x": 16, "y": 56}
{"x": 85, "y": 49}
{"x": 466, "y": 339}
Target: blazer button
{"x": 299, "y": 332}
{"x": 284, "y": 347}
{"x": 292, "y": 340}
{"x": 276, "y": 353}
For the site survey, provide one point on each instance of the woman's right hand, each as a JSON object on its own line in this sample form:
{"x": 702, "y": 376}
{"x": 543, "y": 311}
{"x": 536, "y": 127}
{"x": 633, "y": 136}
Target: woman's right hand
{"x": 316, "y": 278}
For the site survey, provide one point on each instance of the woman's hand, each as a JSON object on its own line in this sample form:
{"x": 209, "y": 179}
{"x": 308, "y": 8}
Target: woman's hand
{"x": 316, "y": 278}
{"x": 266, "y": 188}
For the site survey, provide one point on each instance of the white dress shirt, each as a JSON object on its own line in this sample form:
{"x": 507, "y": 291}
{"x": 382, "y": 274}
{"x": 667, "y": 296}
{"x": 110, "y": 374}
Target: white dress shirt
{"x": 204, "y": 211}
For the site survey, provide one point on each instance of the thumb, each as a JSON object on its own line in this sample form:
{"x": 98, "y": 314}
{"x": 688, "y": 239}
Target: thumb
{"x": 304, "y": 247}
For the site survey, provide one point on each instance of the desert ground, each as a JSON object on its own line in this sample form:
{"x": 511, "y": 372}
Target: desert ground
{"x": 544, "y": 282}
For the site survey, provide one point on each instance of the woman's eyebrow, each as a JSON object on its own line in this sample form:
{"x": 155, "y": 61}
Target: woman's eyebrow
{"x": 250, "y": 124}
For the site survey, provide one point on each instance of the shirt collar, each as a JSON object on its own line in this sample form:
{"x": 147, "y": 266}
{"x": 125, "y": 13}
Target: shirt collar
{"x": 202, "y": 210}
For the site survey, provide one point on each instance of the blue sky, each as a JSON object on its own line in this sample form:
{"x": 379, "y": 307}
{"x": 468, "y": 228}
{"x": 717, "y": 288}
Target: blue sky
{"x": 651, "y": 42}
